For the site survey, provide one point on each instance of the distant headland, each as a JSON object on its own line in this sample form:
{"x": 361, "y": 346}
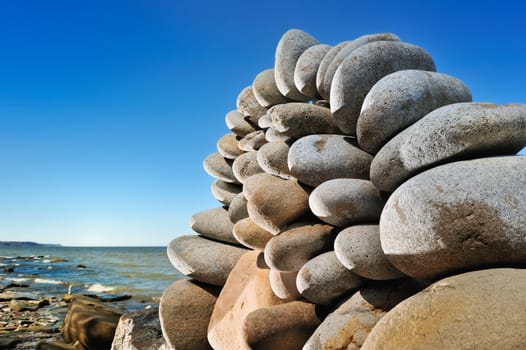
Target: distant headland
{"x": 27, "y": 244}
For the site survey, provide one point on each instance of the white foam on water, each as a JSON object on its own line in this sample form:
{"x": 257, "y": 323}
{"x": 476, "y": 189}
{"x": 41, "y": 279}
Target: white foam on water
{"x": 17, "y": 279}
{"x": 100, "y": 288}
{"x": 46, "y": 261}
{"x": 47, "y": 281}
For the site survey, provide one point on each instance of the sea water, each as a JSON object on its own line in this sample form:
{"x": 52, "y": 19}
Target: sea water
{"x": 141, "y": 272}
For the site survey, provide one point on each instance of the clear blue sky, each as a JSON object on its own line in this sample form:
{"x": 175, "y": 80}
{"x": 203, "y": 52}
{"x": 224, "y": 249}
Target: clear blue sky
{"x": 107, "y": 108}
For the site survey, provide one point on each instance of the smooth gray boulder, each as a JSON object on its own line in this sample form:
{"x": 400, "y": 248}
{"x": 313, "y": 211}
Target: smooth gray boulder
{"x": 214, "y": 223}
{"x": 238, "y": 124}
{"x": 220, "y": 168}
{"x": 251, "y": 235}
{"x": 402, "y": 98}
{"x": 298, "y": 119}
{"x": 265, "y": 121}
{"x": 228, "y": 147}
{"x": 248, "y": 105}
{"x": 224, "y": 191}
{"x": 346, "y": 51}
{"x": 290, "y": 47}
{"x": 342, "y": 202}
{"x": 283, "y": 284}
{"x": 458, "y": 216}
{"x": 358, "y": 248}
{"x": 272, "y": 158}
{"x": 252, "y": 141}
{"x": 271, "y": 135}
{"x": 203, "y": 259}
{"x": 138, "y": 330}
{"x": 324, "y": 65}
{"x": 324, "y": 279}
{"x": 307, "y": 68}
{"x": 237, "y": 209}
{"x": 245, "y": 166}
{"x": 452, "y": 132}
{"x": 291, "y": 249}
{"x": 266, "y": 91}
{"x": 317, "y": 158}
{"x": 359, "y": 71}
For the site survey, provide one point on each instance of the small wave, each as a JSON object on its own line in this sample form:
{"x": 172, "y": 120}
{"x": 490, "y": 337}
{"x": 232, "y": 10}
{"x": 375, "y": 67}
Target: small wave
{"x": 17, "y": 279}
{"x": 46, "y": 261}
{"x": 47, "y": 281}
{"x": 100, "y": 288}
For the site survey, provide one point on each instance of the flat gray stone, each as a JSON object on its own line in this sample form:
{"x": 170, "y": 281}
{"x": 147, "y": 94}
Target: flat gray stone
{"x": 359, "y": 71}
{"x": 271, "y": 135}
{"x": 307, "y": 68}
{"x": 358, "y": 248}
{"x": 227, "y": 146}
{"x": 203, "y": 259}
{"x": 266, "y": 91}
{"x": 220, "y": 168}
{"x": 342, "y": 202}
{"x": 265, "y": 121}
{"x": 224, "y": 191}
{"x": 346, "y": 51}
{"x": 299, "y": 119}
{"x": 324, "y": 279}
{"x": 245, "y": 166}
{"x": 237, "y": 209}
{"x": 402, "y": 98}
{"x": 291, "y": 249}
{"x": 458, "y": 216}
{"x": 214, "y": 223}
{"x": 238, "y": 124}
{"x": 317, "y": 158}
{"x": 324, "y": 65}
{"x": 251, "y": 235}
{"x": 272, "y": 158}
{"x": 252, "y": 141}
{"x": 290, "y": 47}
{"x": 457, "y": 131}
{"x": 283, "y": 284}
{"x": 248, "y": 105}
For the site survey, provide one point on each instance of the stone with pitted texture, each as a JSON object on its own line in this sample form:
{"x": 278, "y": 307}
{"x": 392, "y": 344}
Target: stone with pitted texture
{"x": 245, "y": 166}
{"x": 266, "y": 91}
{"x": 307, "y": 68}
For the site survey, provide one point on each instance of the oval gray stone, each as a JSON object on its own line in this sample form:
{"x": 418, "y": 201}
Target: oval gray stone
{"x": 245, "y": 166}
{"x": 291, "y": 249}
{"x": 252, "y": 141}
{"x": 346, "y": 51}
{"x": 324, "y": 279}
{"x": 228, "y": 147}
{"x": 203, "y": 259}
{"x": 359, "y": 71}
{"x": 402, "y": 98}
{"x": 251, "y": 235}
{"x": 307, "y": 68}
{"x": 224, "y": 191}
{"x": 457, "y": 216}
{"x": 457, "y": 131}
{"x": 220, "y": 168}
{"x": 265, "y": 121}
{"x": 342, "y": 202}
{"x": 213, "y": 223}
{"x": 358, "y": 248}
{"x": 317, "y": 158}
{"x": 324, "y": 65}
{"x": 266, "y": 91}
{"x": 248, "y": 105}
{"x": 299, "y": 119}
{"x": 271, "y": 135}
{"x": 272, "y": 158}
{"x": 290, "y": 47}
{"x": 238, "y": 124}
{"x": 237, "y": 209}
{"x": 283, "y": 284}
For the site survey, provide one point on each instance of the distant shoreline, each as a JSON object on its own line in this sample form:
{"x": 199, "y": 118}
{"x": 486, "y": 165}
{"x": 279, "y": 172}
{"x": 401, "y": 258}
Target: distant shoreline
{"x": 27, "y": 244}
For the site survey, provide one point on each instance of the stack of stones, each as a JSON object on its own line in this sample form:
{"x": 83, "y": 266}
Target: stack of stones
{"x": 367, "y": 202}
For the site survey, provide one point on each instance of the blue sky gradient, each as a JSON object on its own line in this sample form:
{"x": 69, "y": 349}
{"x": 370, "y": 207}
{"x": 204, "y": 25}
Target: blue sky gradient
{"x": 107, "y": 108}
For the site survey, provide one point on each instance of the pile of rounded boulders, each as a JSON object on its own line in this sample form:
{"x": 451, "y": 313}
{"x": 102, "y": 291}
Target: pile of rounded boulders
{"x": 366, "y": 201}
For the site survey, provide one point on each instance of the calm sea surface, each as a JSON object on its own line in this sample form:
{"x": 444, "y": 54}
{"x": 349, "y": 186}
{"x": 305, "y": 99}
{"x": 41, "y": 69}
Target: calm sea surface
{"x": 142, "y": 272}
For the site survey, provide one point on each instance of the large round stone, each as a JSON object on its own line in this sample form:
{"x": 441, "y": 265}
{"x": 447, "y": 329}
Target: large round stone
{"x": 346, "y": 51}
{"x": 251, "y": 235}
{"x": 290, "y": 47}
{"x": 245, "y": 166}
{"x": 203, "y": 259}
{"x": 477, "y": 310}
{"x": 228, "y": 147}
{"x": 324, "y": 279}
{"x": 307, "y": 68}
{"x": 184, "y": 311}
{"x": 457, "y": 131}
{"x": 358, "y": 248}
{"x": 324, "y": 65}
{"x": 219, "y": 167}
{"x": 402, "y": 98}
{"x": 317, "y": 158}
{"x": 290, "y": 250}
{"x": 273, "y": 202}
{"x": 359, "y": 71}
{"x": 458, "y": 216}
{"x": 224, "y": 191}
{"x": 266, "y": 91}
{"x": 238, "y": 208}
{"x": 248, "y": 105}
{"x": 272, "y": 158}
{"x": 213, "y": 223}
{"x": 299, "y": 119}
{"x": 342, "y": 202}
{"x": 238, "y": 124}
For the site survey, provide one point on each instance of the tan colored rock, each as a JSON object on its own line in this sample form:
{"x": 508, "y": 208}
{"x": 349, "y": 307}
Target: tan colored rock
{"x": 265, "y": 121}
{"x": 283, "y": 284}
{"x": 307, "y": 68}
{"x": 251, "y": 235}
{"x": 481, "y": 310}
{"x": 271, "y": 135}
{"x": 238, "y": 208}
{"x": 252, "y": 141}
{"x": 219, "y": 167}
{"x": 227, "y": 146}
{"x": 290, "y": 250}
{"x": 267, "y": 205}
{"x": 184, "y": 311}
{"x": 245, "y": 166}
{"x": 248, "y": 105}
{"x": 272, "y": 158}
{"x": 266, "y": 91}
{"x": 238, "y": 123}
{"x": 224, "y": 191}
{"x": 213, "y": 223}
